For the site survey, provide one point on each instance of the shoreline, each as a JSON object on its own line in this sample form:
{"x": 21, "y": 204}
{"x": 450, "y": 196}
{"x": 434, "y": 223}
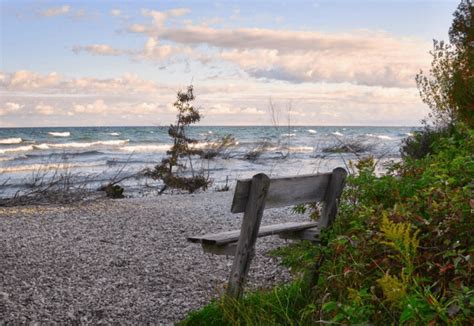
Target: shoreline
{"x": 122, "y": 260}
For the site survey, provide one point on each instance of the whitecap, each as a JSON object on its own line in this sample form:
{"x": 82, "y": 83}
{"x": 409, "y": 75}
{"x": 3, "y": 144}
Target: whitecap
{"x": 114, "y": 133}
{"x": 337, "y": 133}
{"x": 288, "y": 135}
{"x": 311, "y": 131}
{"x": 17, "y": 149}
{"x": 10, "y": 141}
{"x": 301, "y": 149}
{"x": 385, "y": 137}
{"x": 59, "y": 134}
{"x": 47, "y": 166}
{"x": 82, "y": 145}
{"x": 146, "y": 148}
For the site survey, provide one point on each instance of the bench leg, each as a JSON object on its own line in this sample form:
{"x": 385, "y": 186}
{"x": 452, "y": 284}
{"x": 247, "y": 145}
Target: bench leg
{"x": 248, "y": 234}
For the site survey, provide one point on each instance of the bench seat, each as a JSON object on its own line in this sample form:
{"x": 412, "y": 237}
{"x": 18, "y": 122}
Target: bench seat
{"x": 224, "y": 243}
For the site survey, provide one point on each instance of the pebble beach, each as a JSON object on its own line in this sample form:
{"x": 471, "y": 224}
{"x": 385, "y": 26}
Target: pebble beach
{"x": 122, "y": 261}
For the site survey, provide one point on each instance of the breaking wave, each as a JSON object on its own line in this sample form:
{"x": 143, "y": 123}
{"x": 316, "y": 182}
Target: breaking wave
{"x": 47, "y": 166}
{"x": 59, "y": 134}
{"x": 10, "y": 141}
{"x": 146, "y": 148}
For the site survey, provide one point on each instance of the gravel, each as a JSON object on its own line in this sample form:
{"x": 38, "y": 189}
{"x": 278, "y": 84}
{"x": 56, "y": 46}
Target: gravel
{"x": 121, "y": 261}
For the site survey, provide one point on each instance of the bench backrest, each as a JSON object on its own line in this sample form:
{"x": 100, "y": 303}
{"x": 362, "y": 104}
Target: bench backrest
{"x": 324, "y": 187}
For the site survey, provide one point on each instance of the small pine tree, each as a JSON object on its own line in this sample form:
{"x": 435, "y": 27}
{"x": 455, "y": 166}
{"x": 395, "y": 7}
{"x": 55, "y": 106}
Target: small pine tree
{"x": 172, "y": 168}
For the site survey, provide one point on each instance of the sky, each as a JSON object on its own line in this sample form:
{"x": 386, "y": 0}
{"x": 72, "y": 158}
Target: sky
{"x": 120, "y": 63}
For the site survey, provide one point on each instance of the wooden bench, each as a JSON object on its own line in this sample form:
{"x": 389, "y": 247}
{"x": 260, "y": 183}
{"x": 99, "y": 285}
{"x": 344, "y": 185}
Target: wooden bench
{"x": 252, "y": 197}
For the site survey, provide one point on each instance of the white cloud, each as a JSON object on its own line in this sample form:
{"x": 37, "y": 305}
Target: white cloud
{"x": 10, "y": 108}
{"x": 53, "y": 83}
{"x": 56, "y": 11}
{"x": 98, "y": 49}
{"x": 358, "y": 57}
{"x": 44, "y": 109}
{"x": 131, "y": 100}
{"x": 98, "y": 107}
{"x": 160, "y": 17}
{"x": 227, "y": 109}
{"x": 116, "y": 12}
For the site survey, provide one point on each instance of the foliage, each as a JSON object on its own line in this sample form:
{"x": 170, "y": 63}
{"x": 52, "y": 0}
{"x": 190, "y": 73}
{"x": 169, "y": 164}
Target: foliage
{"x": 283, "y": 305}
{"x": 113, "y": 191}
{"x": 219, "y": 147}
{"x": 420, "y": 144}
{"x": 172, "y": 168}
{"x": 448, "y": 89}
{"x": 352, "y": 146}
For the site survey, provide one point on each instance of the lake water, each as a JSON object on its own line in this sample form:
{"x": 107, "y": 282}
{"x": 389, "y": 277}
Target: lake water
{"x": 98, "y": 153}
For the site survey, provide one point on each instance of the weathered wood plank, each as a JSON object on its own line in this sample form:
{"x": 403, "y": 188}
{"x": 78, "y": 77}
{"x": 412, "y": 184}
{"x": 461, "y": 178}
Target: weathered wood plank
{"x": 311, "y": 234}
{"x": 332, "y": 196}
{"x": 248, "y": 235}
{"x": 285, "y": 191}
{"x": 223, "y": 238}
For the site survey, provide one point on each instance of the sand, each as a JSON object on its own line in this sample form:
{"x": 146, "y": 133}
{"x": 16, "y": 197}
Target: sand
{"x": 122, "y": 261}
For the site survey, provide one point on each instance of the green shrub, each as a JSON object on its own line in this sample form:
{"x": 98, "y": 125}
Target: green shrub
{"x": 420, "y": 144}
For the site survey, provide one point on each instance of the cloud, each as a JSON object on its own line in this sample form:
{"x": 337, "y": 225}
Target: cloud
{"x": 10, "y": 108}
{"x": 359, "y": 57}
{"x": 129, "y": 99}
{"x": 227, "y": 109}
{"x": 160, "y": 17}
{"x": 98, "y": 107}
{"x": 152, "y": 51}
{"x": 44, "y": 109}
{"x": 53, "y": 83}
{"x": 98, "y": 49}
{"x": 27, "y": 80}
{"x": 116, "y": 12}
{"x": 56, "y": 11}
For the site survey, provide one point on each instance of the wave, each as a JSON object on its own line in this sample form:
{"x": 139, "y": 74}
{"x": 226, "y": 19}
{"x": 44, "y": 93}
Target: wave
{"x": 47, "y": 166}
{"x": 301, "y": 149}
{"x": 59, "y": 134}
{"x": 82, "y": 145}
{"x": 384, "y": 137}
{"x": 113, "y": 162}
{"x": 16, "y": 149}
{"x": 10, "y": 141}
{"x": 288, "y": 135}
{"x": 311, "y": 131}
{"x": 114, "y": 133}
{"x": 3, "y": 159}
{"x": 60, "y": 154}
{"x": 164, "y": 147}
{"x": 46, "y": 146}
{"x": 337, "y": 133}
{"x": 146, "y": 148}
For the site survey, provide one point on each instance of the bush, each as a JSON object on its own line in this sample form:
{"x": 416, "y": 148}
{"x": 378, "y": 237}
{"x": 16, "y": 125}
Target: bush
{"x": 420, "y": 144}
